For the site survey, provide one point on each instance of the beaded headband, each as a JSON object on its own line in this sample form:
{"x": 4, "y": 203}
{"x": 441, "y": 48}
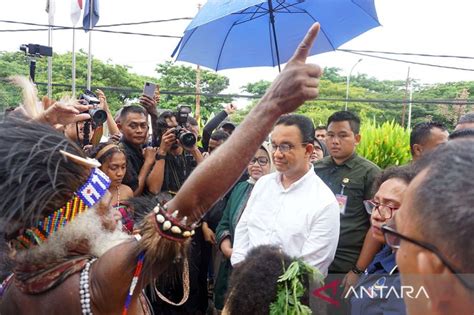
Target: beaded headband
{"x": 85, "y": 197}
{"x": 105, "y": 150}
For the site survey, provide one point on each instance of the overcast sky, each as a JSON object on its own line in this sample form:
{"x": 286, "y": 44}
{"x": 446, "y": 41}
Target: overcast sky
{"x": 417, "y": 26}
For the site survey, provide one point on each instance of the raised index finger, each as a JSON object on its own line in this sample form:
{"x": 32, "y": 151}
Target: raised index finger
{"x": 301, "y": 53}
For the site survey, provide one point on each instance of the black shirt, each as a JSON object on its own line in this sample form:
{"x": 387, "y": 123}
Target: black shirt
{"x": 135, "y": 160}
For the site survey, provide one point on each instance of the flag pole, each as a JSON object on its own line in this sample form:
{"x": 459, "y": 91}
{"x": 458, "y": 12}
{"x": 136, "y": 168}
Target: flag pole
{"x": 198, "y": 88}
{"x": 50, "y": 63}
{"x": 89, "y": 60}
{"x": 73, "y": 87}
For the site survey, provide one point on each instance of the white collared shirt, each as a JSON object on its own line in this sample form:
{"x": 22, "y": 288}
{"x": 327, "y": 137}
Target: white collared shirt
{"x": 302, "y": 219}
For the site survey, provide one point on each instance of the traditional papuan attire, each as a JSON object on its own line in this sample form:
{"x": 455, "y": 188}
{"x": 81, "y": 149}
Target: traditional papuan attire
{"x": 66, "y": 255}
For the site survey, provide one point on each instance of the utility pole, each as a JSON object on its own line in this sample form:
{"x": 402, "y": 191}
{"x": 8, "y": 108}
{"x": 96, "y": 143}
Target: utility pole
{"x": 405, "y": 98}
{"x": 348, "y": 81}
{"x": 409, "y": 106}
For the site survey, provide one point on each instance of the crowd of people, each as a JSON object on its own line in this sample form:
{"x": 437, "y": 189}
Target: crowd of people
{"x": 161, "y": 218}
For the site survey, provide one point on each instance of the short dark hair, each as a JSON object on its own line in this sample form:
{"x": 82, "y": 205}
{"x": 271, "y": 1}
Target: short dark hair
{"x": 192, "y": 121}
{"x": 443, "y": 201}
{"x": 162, "y": 124}
{"x": 421, "y": 132}
{"x": 219, "y": 135}
{"x": 303, "y": 123}
{"x": 253, "y": 283}
{"x": 321, "y": 127}
{"x": 466, "y": 119}
{"x": 353, "y": 119}
{"x": 132, "y": 109}
{"x": 167, "y": 114}
{"x": 405, "y": 173}
{"x": 462, "y": 133}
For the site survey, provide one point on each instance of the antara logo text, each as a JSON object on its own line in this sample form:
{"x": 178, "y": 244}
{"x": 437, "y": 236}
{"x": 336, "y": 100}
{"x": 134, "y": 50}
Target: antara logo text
{"x": 377, "y": 291}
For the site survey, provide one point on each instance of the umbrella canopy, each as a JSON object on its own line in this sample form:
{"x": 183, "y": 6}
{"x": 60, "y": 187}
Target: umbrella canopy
{"x": 247, "y": 33}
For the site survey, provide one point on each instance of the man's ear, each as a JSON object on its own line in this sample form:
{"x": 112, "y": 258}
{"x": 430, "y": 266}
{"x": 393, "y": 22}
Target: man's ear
{"x": 357, "y": 137}
{"x": 417, "y": 150}
{"x": 438, "y": 282}
{"x": 119, "y": 125}
{"x": 309, "y": 149}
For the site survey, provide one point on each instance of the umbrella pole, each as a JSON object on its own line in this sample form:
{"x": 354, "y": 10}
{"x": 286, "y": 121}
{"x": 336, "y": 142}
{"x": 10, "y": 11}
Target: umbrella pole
{"x": 272, "y": 22}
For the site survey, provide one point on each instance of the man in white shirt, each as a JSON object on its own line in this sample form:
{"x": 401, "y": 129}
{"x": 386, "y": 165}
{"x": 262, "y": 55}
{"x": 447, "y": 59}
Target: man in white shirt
{"x": 291, "y": 208}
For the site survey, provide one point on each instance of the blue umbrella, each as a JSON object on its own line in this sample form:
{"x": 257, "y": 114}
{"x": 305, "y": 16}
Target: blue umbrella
{"x": 247, "y": 33}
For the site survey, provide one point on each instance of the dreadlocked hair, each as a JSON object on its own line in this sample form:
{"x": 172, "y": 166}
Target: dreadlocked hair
{"x": 35, "y": 178}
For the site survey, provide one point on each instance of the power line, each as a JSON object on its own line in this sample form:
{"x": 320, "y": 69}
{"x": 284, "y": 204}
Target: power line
{"x": 165, "y": 92}
{"x": 412, "y": 62}
{"x": 146, "y": 22}
{"x": 405, "y": 54}
{"x": 96, "y": 28}
{"x": 100, "y": 31}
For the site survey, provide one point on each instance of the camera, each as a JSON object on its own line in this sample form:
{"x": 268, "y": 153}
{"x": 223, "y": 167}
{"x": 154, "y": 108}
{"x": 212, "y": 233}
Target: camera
{"x": 37, "y": 50}
{"x": 98, "y": 115}
{"x": 34, "y": 51}
{"x": 187, "y": 139}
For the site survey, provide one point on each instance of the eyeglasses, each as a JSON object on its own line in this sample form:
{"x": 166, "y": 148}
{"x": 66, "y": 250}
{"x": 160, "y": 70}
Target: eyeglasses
{"x": 385, "y": 211}
{"x": 394, "y": 238}
{"x": 284, "y": 147}
{"x": 262, "y": 161}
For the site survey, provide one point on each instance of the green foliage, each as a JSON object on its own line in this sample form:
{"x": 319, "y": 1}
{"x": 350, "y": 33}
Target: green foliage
{"x": 104, "y": 74}
{"x": 183, "y": 79}
{"x": 333, "y": 86}
{"x": 385, "y": 145}
{"x": 256, "y": 88}
{"x": 171, "y": 78}
{"x": 291, "y": 289}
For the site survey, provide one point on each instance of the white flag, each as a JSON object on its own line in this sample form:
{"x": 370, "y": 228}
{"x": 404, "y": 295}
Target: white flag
{"x": 76, "y": 9}
{"x": 50, "y": 9}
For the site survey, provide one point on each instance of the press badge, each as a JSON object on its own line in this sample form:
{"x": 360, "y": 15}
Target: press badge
{"x": 341, "y": 198}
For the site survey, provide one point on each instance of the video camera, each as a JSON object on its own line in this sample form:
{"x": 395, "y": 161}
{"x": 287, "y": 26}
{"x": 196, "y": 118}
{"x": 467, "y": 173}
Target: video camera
{"x": 35, "y": 51}
{"x": 187, "y": 139}
{"x": 98, "y": 115}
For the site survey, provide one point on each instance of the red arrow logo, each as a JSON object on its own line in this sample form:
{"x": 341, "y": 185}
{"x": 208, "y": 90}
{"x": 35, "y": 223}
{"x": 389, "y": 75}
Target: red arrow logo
{"x": 333, "y": 287}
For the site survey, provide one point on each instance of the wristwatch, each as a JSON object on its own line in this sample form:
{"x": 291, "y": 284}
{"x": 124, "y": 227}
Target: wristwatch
{"x": 160, "y": 157}
{"x": 356, "y": 270}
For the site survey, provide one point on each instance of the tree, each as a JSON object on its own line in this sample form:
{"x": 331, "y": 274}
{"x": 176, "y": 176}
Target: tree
{"x": 103, "y": 74}
{"x": 182, "y": 79}
{"x": 257, "y": 88}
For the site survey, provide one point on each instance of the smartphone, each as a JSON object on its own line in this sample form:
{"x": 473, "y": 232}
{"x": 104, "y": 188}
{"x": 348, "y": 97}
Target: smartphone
{"x": 149, "y": 89}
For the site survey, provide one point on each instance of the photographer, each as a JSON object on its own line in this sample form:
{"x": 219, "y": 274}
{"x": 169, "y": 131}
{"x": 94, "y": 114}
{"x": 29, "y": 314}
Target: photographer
{"x": 174, "y": 160}
{"x": 111, "y": 125}
{"x": 90, "y": 131}
{"x": 214, "y": 123}
{"x": 150, "y": 105}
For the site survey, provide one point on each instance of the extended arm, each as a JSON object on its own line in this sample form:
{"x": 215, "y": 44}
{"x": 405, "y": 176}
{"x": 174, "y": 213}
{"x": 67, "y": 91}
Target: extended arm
{"x": 297, "y": 83}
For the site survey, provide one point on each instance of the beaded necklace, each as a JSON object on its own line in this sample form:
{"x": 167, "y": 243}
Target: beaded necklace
{"x": 84, "y": 291}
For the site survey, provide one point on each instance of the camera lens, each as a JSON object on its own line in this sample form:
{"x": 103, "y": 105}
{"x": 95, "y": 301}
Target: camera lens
{"x": 187, "y": 139}
{"x": 99, "y": 116}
